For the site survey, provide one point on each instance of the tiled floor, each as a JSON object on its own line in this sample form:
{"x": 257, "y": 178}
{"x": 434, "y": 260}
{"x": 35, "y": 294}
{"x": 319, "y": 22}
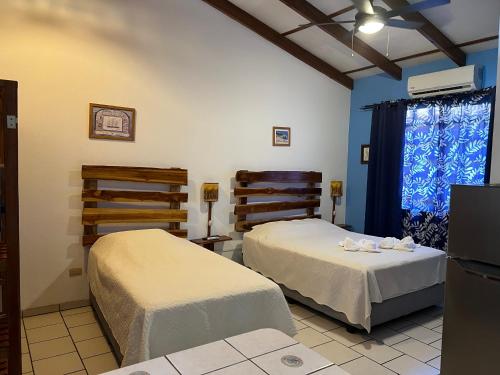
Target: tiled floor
{"x": 407, "y": 346}
{"x": 71, "y": 342}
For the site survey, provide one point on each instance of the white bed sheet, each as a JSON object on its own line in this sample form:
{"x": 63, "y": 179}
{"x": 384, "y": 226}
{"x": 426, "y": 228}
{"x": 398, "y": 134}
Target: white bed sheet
{"x": 161, "y": 294}
{"x": 304, "y": 256}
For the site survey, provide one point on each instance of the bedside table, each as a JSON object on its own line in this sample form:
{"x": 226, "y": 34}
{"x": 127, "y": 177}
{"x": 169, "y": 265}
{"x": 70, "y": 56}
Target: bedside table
{"x": 209, "y": 243}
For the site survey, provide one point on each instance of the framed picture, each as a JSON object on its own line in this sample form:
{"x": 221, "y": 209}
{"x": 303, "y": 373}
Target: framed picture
{"x": 281, "y": 136}
{"x": 111, "y": 122}
{"x": 365, "y": 154}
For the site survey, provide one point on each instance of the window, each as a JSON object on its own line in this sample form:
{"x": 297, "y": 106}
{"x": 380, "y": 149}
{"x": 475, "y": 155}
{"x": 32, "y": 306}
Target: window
{"x": 446, "y": 142}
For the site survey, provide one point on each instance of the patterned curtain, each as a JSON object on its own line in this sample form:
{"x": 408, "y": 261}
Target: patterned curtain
{"x": 446, "y": 142}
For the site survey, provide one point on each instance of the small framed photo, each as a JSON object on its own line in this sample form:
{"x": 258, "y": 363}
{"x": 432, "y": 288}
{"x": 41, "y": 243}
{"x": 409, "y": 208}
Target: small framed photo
{"x": 281, "y": 136}
{"x": 111, "y": 122}
{"x": 365, "y": 154}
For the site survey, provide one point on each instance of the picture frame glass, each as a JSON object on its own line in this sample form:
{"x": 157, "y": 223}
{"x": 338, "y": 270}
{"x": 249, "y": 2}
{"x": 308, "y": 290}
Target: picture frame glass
{"x": 108, "y": 122}
{"x": 281, "y": 136}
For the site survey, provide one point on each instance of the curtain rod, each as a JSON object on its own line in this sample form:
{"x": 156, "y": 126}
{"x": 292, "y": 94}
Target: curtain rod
{"x": 370, "y": 107}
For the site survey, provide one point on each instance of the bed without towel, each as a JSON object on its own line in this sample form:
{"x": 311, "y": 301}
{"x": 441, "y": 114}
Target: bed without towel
{"x": 304, "y": 256}
{"x": 160, "y": 294}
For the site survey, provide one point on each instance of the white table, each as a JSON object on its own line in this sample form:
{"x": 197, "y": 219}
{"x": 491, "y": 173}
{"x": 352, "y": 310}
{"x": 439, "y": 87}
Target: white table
{"x": 261, "y": 352}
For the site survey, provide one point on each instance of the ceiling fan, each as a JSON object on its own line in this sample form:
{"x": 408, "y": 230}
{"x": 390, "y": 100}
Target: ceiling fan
{"x": 370, "y": 18}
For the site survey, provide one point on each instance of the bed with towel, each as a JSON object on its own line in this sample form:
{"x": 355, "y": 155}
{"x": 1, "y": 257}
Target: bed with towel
{"x": 155, "y": 292}
{"x": 343, "y": 274}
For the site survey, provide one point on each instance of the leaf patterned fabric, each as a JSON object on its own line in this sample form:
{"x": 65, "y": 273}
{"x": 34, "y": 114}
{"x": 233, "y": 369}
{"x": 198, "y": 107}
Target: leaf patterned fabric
{"x": 446, "y": 142}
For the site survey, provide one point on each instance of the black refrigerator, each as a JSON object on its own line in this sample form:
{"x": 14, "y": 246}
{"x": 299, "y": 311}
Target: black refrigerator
{"x": 471, "y": 329}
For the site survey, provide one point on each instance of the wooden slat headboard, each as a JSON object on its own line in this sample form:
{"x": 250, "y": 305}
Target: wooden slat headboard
{"x": 280, "y": 181}
{"x": 115, "y": 212}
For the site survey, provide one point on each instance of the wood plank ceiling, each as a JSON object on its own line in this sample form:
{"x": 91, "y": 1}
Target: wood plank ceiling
{"x": 264, "y": 19}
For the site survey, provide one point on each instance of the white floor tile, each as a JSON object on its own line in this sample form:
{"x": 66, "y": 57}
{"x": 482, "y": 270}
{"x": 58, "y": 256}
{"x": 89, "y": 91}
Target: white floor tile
{"x": 320, "y": 323}
{"x": 437, "y": 344}
{"x": 76, "y": 320}
{"x": 299, "y": 325}
{"x": 157, "y": 366}
{"x": 364, "y": 366}
{"x": 26, "y": 363}
{"x": 205, "y": 358}
{"x": 63, "y": 364}
{"x": 417, "y": 350}
{"x": 436, "y": 362}
{"x": 24, "y": 346}
{"x": 406, "y": 365}
{"x": 346, "y": 338}
{"x": 92, "y": 347}
{"x": 262, "y": 341}
{"x": 332, "y": 370}
{"x": 46, "y": 333}
{"x": 378, "y": 352}
{"x": 86, "y": 332}
{"x": 52, "y": 348}
{"x": 272, "y": 363}
{"x": 423, "y": 334}
{"x": 299, "y": 312}
{"x": 438, "y": 329}
{"x": 310, "y": 337}
{"x": 336, "y": 352}
{"x": 42, "y": 320}
{"x": 78, "y": 310}
{"x": 243, "y": 368}
{"x": 100, "y": 363}
{"x": 398, "y": 324}
{"x": 387, "y": 336}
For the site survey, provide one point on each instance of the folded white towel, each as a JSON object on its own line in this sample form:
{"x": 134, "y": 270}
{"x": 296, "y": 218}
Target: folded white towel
{"x": 350, "y": 244}
{"x": 388, "y": 243}
{"x": 406, "y": 244}
{"x": 368, "y": 246}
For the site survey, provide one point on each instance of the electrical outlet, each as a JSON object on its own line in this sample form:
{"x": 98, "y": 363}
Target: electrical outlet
{"x": 75, "y": 272}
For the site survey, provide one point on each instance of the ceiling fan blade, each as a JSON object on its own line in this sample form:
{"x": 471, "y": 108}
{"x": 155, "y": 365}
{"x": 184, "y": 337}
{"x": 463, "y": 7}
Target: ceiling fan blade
{"x": 403, "y": 24}
{"x": 417, "y": 7}
{"x": 364, "y": 6}
{"x": 325, "y": 23}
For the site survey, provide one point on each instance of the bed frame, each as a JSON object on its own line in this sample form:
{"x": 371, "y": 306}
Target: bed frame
{"x": 125, "y": 206}
{"x": 309, "y": 195}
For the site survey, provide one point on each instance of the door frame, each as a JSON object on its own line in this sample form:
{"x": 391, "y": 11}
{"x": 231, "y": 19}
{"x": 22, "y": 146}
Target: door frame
{"x": 8, "y": 90}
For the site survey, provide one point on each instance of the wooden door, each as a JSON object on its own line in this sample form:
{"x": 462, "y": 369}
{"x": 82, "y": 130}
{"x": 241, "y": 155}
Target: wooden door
{"x": 10, "y": 314}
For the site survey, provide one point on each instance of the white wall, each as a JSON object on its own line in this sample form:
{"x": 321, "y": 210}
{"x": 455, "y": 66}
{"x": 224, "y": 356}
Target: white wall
{"x": 495, "y": 161}
{"x": 207, "y": 93}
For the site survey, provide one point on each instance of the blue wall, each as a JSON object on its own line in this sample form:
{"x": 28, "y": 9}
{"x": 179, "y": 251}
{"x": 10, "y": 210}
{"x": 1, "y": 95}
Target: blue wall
{"x": 380, "y": 88}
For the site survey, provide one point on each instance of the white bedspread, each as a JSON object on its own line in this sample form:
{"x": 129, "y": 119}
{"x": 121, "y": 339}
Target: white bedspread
{"x": 160, "y": 294}
{"x": 304, "y": 256}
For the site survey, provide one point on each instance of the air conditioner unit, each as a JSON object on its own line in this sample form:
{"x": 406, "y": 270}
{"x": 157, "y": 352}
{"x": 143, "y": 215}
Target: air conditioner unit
{"x": 465, "y": 78}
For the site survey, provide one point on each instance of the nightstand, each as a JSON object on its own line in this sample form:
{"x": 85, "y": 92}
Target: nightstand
{"x": 209, "y": 243}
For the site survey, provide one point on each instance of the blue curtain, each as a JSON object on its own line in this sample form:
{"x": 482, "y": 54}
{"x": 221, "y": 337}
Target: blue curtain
{"x": 447, "y": 141}
{"x": 383, "y": 198}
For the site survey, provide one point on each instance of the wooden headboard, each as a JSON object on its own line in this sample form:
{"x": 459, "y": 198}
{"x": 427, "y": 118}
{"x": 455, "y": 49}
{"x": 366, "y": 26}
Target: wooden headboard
{"x": 118, "y": 211}
{"x": 279, "y": 184}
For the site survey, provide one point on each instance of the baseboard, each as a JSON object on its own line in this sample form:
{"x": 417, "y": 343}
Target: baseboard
{"x": 55, "y": 308}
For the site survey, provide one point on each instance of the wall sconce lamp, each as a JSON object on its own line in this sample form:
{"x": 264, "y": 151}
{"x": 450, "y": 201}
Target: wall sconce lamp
{"x": 210, "y": 195}
{"x": 335, "y": 192}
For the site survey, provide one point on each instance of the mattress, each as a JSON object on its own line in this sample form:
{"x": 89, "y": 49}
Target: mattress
{"x": 304, "y": 255}
{"x": 161, "y": 294}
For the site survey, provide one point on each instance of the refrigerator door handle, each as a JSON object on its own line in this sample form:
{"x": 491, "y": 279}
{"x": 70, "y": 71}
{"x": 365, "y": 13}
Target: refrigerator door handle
{"x": 473, "y": 272}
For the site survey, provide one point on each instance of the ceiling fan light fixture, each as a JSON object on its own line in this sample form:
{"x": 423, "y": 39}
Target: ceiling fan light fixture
{"x": 371, "y": 26}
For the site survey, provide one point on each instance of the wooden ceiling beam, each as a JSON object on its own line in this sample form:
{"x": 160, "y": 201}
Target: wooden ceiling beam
{"x": 431, "y": 33}
{"x": 331, "y": 15}
{"x": 313, "y": 14}
{"x": 268, "y": 33}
